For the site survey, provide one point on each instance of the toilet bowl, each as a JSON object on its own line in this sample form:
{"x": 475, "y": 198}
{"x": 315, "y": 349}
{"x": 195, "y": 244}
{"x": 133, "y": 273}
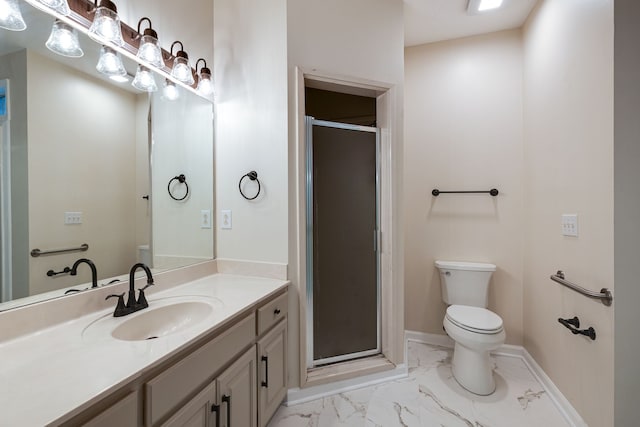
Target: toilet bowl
{"x": 475, "y": 330}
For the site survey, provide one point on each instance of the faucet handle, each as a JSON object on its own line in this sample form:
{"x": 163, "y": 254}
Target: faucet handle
{"x": 142, "y": 300}
{"x": 121, "y": 309}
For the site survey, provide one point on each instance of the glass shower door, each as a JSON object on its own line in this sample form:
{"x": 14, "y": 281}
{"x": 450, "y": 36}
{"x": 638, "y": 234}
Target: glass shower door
{"x": 342, "y": 252}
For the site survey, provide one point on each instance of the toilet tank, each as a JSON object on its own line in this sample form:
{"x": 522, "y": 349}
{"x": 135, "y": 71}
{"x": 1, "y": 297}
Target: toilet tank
{"x": 465, "y": 283}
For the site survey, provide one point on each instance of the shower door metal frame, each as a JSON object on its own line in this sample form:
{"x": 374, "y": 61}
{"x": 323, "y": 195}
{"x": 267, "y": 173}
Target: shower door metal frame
{"x": 309, "y": 123}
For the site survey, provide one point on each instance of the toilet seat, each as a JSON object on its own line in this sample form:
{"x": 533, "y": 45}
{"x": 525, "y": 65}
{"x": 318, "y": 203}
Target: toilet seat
{"x": 474, "y": 319}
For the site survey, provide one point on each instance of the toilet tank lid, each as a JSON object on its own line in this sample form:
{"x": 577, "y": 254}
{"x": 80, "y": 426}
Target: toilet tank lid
{"x": 463, "y": 265}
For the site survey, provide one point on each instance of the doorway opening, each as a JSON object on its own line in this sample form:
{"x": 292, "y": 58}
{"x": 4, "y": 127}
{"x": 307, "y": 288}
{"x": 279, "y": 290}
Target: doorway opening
{"x": 343, "y": 215}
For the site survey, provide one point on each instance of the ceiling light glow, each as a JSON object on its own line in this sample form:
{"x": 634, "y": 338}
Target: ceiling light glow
{"x": 489, "y": 5}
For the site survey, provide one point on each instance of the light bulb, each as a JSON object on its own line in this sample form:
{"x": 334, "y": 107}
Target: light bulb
{"x": 64, "y": 40}
{"x": 10, "y": 16}
{"x": 110, "y": 63}
{"x": 149, "y": 50}
{"x": 182, "y": 70}
{"x": 170, "y": 91}
{"x": 144, "y": 80}
{"x": 106, "y": 24}
{"x": 60, "y": 6}
{"x": 205, "y": 85}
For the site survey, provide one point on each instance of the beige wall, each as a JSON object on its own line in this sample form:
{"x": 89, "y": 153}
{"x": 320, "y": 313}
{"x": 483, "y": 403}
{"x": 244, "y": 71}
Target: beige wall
{"x": 86, "y": 166}
{"x": 568, "y": 111}
{"x": 251, "y": 126}
{"x": 463, "y": 131}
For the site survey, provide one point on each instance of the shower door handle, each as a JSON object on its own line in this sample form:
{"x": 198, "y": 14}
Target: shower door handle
{"x": 375, "y": 240}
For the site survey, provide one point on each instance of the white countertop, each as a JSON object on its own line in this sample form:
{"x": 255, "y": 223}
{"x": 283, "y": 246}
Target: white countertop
{"x": 52, "y": 374}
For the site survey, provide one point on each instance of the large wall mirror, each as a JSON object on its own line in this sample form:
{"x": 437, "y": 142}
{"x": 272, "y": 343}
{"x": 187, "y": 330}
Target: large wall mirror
{"x": 89, "y": 161}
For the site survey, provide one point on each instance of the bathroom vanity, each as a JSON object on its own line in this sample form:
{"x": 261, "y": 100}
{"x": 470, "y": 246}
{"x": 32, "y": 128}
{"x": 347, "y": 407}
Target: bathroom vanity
{"x": 210, "y": 352}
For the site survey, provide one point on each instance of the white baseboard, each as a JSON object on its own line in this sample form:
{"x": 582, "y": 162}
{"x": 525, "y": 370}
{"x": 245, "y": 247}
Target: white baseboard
{"x": 561, "y": 402}
{"x": 298, "y": 395}
{"x": 564, "y": 406}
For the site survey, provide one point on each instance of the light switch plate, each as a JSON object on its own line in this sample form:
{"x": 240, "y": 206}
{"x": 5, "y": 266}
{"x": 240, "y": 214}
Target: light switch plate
{"x": 72, "y": 218}
{"x": 225, "y": 219}
{"x": 570, "y": 225}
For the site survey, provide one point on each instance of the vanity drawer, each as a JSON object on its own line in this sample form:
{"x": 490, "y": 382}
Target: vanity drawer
{"x": 270, "y": 313}
{"x": 166, "y": 391}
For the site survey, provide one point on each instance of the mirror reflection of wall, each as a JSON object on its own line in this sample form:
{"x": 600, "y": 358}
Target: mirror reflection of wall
{"x": 81, "y": 159}
{"x": 182, "y": 229}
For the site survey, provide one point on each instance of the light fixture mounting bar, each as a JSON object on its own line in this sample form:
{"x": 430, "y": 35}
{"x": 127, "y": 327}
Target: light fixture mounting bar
{"x": 85, "y": 10}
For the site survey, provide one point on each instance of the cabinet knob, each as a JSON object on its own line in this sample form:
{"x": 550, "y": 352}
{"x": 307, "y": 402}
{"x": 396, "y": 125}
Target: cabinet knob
{"x": 276, "y": 311}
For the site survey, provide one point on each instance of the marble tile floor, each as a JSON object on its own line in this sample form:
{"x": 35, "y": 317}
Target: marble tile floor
{"x": 430, "y": 396}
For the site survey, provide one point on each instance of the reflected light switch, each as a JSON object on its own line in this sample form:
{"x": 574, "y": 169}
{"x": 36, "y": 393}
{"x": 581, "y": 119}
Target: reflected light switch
{"x": 225, "y": 219}
{"x": 205, "y": 218}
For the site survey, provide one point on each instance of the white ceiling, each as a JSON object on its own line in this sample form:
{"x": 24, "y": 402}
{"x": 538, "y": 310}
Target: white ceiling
{"x": 428, "y": 21}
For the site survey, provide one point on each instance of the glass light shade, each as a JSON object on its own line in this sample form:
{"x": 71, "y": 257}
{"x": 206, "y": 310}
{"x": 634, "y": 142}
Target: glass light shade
{"x": 10, "y": 16}
{"x": 60, "y": 6}
{"x": 106, "y": 26}
{"x": 205, "y": 85}
{"x": 63, "y": 40}
{"x": 182, "y": 70}
{"x": 170, "y": 91}
{"x": 149, "y": 51}
{"x": 144, "y": 80}
{"x": 110, "y": 63}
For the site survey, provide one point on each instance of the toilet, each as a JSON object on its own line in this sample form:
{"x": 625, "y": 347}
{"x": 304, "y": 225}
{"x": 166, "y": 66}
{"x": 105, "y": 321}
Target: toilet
{"x": 475, "y": 330}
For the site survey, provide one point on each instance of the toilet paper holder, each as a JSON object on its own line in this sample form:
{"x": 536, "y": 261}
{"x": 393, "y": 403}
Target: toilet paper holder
{"x": 574, "y": 326}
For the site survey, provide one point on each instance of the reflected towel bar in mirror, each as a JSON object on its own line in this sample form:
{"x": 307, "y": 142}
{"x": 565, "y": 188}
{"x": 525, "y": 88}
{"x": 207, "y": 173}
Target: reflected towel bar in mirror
{"x": 37, "y": 252}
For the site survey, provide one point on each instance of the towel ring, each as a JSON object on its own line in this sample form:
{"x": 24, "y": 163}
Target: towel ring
{"x": 253, "y": 176}
{"x": 182, "y": 180}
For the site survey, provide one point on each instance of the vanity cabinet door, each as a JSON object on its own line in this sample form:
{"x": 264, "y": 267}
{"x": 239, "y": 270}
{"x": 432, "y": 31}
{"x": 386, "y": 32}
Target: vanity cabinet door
{"x": 198, "y": 412}
{"x": 237, "y": 392}
{"x": 272, "y": 372}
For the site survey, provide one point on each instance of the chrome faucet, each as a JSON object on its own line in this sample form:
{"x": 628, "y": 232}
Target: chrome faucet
{"x": 94, "y": 272}
{"x": 132, "y": 304}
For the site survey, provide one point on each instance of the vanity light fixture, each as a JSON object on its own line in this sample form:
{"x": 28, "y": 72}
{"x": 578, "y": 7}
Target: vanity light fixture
{"x": 479, "y": 6}
{"x": 63, "y": 40}
{"x": 149, "y": 51}
{"x": 10, "y": 16}
{"x": 144, "y": 80}
{"x": 60, "y": 6}
{"x": 106, "y": 23}
{"x": 205, "y": 85}
{"x": 170, "y": 91}
{"x": 110, "y": 63}
{"x": 181, "y": 69}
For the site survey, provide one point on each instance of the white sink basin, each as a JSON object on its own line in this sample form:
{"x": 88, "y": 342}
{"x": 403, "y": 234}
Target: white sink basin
{"x": 161, "y": 321}
{"x": 163, "y": 317}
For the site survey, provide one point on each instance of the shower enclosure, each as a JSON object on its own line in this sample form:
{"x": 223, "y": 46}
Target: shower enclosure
{"x": 343, "y": 278}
